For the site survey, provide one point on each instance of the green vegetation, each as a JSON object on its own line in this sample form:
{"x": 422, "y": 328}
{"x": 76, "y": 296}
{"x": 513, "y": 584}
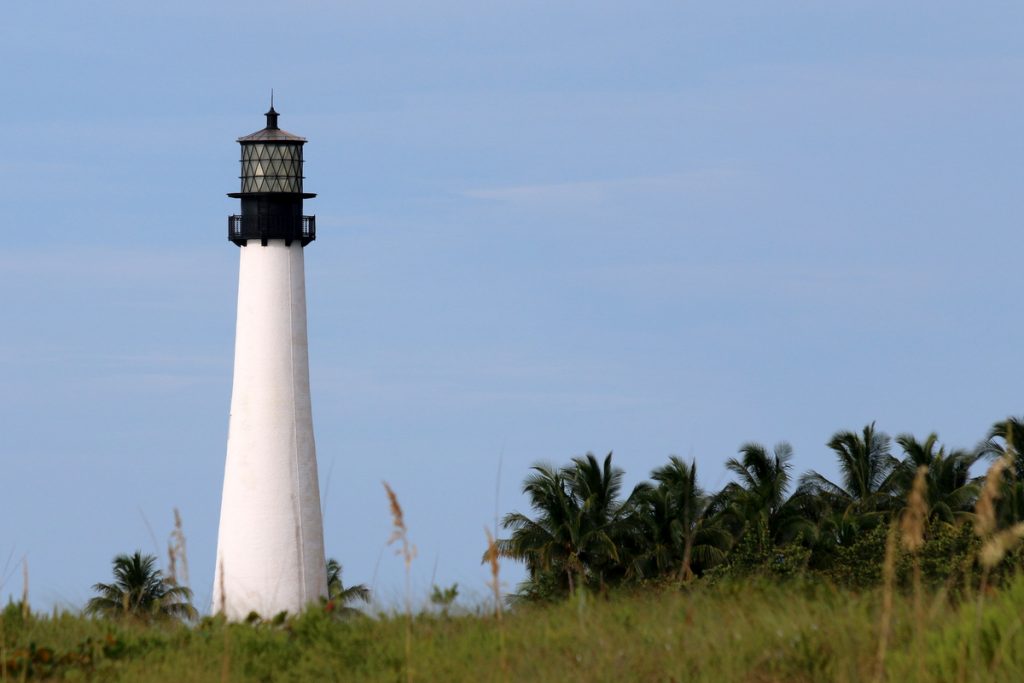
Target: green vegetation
{"x": 338, "y": 596}
{"x": 903, "y": 569}
{"x": 757, "y": 631}
{"x": 584, "y": 533}
{"x": 140, "y": 591}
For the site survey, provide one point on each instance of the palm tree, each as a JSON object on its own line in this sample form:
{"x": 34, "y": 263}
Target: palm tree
{"x": 579, "y": 527}
{"x": 339, "y": 597}
{"x": 548, "y": 545}
{"x": 838, "y": 528}
{"x": 866, "y": 467}
{"x": 951, "y": 489}
{"x": 760, "y": 495}
{"x": 597, "y": 487}
{"x": 658, "y": 553}
{"x": 140, "y": 590}
{"x": 1007, "y": 438}
{"x": 681, "y": 531}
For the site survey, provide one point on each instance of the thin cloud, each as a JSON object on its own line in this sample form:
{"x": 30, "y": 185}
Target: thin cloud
{"x": 588, "y": 191}
{"x": 108, "y": 263}
{"x": 794, "y": 282}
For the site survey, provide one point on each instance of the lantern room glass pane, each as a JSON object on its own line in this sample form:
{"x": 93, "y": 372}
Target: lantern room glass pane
{"x": 270, "y": 167}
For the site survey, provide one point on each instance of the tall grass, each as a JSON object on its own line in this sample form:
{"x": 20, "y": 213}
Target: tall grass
{"x": 756, "y": 630}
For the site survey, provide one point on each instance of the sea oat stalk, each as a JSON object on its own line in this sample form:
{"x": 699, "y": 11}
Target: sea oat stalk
{"x": 408, "y": 553}
{"x": 993, "y": 545}
{"x": 985, "y": 508}
{"x": 912, "y": 527}
{"x": 495, "y": 585}
{"x": 176, "y": 554}
{"x": 885, "y": 622}
{"x": 225, "y": 660}
{"x": 25, "y": 610}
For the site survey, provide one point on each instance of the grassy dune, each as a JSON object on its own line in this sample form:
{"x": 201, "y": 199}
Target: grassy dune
{"x": 738, "y": 632}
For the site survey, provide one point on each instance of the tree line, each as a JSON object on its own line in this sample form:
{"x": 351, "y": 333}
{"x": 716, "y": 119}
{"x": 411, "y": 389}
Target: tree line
{"x": 585, "y": 533}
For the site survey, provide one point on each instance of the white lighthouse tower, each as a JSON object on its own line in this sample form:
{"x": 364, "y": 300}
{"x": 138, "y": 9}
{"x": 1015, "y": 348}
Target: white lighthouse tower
{"x": 270, "y": 549}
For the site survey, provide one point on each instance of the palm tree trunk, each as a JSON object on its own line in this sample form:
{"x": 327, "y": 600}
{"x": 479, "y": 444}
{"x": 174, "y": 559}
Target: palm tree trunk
{"x": 685, "y": 572}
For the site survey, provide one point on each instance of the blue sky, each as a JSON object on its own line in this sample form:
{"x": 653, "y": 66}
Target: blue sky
{"x": 543, "y": 229}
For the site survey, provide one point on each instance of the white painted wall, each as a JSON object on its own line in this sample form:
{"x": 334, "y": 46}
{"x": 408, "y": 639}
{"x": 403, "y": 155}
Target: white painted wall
{"x": 270, "y": 551}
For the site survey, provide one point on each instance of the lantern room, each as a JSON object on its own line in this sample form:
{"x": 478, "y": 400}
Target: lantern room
{"x": 271, "y": 191}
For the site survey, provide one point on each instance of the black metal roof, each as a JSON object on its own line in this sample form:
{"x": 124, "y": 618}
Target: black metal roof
{"x": 272, "y": 133}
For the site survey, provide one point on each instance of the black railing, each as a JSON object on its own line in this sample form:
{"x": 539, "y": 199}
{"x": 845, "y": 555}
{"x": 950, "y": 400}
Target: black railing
{"x": 263, "y": 228}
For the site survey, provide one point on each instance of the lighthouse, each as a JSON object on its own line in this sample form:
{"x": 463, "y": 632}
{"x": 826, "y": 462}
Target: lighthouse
{"x": 270, "y": 546}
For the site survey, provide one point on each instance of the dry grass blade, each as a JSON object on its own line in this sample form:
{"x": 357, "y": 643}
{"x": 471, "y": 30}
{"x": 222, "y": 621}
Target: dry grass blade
{"x": 400, "y": 533}
{"x": 985, "y": 508}
{"x": 495, "y": 582}
{"x": 176, "y": 553}
{"x": 24, "y": 589}
{"x": 912, "y": 529}
{"x": 912, "y": 522}
{"x": 994, "y": 545}
{"x": 495, "y": 585}
{"x": 885, "y": 622}
{"x": 408, "y": 553}
{"x": 225, "y": 661}
{"x": 397, "y": 516}
{"x": 1000, "y": 543}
